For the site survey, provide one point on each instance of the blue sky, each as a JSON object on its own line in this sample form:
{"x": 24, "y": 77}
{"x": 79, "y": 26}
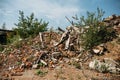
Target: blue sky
{"x": 53, "y": 11}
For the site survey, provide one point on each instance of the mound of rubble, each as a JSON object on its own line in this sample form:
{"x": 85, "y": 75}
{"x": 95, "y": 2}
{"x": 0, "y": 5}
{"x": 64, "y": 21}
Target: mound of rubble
{"x": 113, "y": 21}
{"x": 45, "y": 51}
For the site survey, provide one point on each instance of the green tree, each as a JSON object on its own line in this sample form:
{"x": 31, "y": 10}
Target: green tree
{"x": 97, "y": 32}
{"x": 29, "y": 26}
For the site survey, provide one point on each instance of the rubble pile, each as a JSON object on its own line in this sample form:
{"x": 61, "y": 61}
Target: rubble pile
{"x": 33, "y": 54}
{"x": 49, "y": 49}
{"x": 113, "y": 21}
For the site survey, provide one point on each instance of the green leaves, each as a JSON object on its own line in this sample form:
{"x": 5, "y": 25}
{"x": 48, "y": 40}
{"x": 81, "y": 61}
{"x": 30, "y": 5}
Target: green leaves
{"x": 97, "y": 33}
{"x": 29, "y": 26}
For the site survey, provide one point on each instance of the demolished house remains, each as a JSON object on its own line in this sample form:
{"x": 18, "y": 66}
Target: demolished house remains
{"x": 49, "y": 49}
{"x": 3, "y": 35}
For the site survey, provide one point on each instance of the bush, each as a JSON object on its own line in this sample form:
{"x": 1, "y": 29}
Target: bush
{"x": 29, "y": 26}
{"x": 97, "y": 32}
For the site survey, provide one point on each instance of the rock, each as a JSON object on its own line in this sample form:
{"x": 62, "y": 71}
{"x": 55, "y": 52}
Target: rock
{"x": 111, "y": 62}
{"x": 94, "y": 64}
{"x": 112, "y": 70}
{"x": 100, "y": 49}
{"x": 106, "y": 66}
{"x": 67, "y": 60}
{"x": 42, "y": 61}
{"x": 97, "y": 65}
{"x": 96, "y": 51}
{"x": 56, "y": 54}
{"x": 11, "y": 67}
{"x": 54, "y": 60}
{"x": 116, "y": 22}
{"x": 22, "y": 65}
{"x": 103, "y": 67}
{"x": 35, "y": 66}
{"x": 28, "y": 64}
{"x": 110, "y": 18}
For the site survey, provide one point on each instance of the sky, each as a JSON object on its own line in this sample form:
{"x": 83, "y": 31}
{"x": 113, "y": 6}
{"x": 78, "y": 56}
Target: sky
{"x": 54, "y": 11}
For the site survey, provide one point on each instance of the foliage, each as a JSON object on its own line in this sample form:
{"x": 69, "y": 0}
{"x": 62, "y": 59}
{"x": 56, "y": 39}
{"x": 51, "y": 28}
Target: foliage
{"x": 13, "y": 38}
{"x": 97, "y": 32}
{"x": 41, "y": 73}
{"x": 29, "y": 26}
{"x": 77, "y": 65}
{"x": 41, "y": 64}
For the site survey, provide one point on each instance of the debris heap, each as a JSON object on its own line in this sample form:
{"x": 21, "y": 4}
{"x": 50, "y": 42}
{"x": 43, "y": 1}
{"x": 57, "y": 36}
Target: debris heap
{"x": 49, "y": 49}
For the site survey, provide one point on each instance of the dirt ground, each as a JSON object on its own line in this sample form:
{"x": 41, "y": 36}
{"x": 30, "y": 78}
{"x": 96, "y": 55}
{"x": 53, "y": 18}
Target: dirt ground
{"x": 66, "y": 72}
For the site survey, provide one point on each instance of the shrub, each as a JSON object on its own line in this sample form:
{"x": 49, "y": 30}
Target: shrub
{"x": 29, "y": 26}
{"x": 97, "y": 32}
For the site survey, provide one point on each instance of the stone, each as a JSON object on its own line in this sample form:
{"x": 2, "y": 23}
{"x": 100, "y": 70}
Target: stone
{"x": 42, "y": 61}
{"x": 35, "y": 66}
{"x": 56, "y": 54}
{"x": 67, "y": 60}
{"x": 94, "y": 64}
{"x": 116, "y": 22}
{"x": 108, "y": 65}
{"x": 22, "y": 65}
{"x": 54, "y": 60}
{"x": 111, "y": 62}
{"x": 96, "y": 51}
{"x": 100, "y": 49}
{"x": 110, "y": 18}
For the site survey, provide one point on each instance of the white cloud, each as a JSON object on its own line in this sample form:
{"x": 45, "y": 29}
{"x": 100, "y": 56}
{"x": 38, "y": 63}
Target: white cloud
{"x": 50, "y": 9}
{"x": 54, "y": 10}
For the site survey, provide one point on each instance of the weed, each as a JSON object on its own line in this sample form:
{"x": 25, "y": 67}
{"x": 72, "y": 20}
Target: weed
{"x": 76, "y": 64}
{"x": 41, "y": 73}
{"x": 41, "y": 64}
{"x": 18, "y": 63}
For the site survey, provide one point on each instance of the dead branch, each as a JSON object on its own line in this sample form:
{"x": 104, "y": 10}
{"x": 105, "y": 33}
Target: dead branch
{"x": 69, "y": 20}
{"x": 61, "y": 29}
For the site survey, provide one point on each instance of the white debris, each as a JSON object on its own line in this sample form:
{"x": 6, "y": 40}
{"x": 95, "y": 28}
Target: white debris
{"x": 42, "y": 61}
{"x": 96, "y": 51}
{"x": 104, "y": 66}
{"x": 35, "y": 66}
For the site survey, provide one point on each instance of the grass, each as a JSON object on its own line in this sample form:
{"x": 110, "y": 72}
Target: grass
{"x": 41, "y": 73}
{"x": 76, "y": 64}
